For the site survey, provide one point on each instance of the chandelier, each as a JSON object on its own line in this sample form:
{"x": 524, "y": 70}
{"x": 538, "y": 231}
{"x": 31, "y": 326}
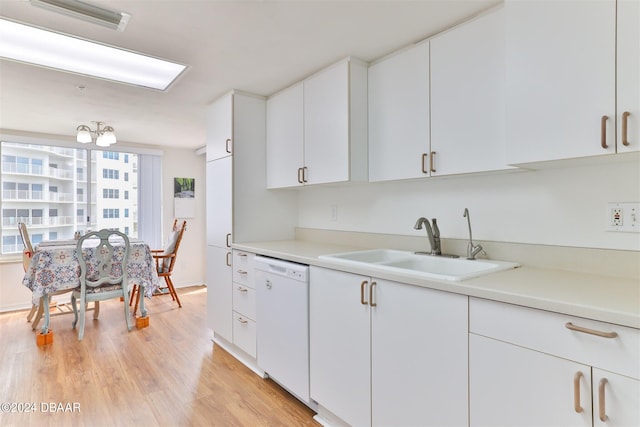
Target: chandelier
{"x": 103, "y": 134}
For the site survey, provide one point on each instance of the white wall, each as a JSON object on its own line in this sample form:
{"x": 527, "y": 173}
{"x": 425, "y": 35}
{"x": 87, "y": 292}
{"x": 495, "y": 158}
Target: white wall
{"x": 564, "y": 206}
{"x": 190, "y": 265}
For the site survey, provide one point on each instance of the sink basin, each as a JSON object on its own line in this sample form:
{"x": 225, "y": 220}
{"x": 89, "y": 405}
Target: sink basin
{"x": 426, "y": 266}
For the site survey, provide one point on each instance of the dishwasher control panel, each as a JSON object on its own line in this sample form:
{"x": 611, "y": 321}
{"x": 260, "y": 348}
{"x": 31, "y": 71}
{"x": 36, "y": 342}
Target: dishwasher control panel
{"x": 278, "y": 267}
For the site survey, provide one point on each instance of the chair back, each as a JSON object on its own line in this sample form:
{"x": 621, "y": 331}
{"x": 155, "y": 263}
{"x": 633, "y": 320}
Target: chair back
{"x": 108, "y": 265}
{"x": 27, "y": 251}
{"x": 173, "y": 244}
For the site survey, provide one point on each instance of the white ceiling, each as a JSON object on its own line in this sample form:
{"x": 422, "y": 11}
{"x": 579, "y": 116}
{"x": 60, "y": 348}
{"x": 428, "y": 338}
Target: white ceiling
{"x": 254, "y": 46}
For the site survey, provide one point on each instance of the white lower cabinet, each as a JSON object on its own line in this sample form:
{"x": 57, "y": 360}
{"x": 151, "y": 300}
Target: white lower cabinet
{"x": 530, "y": 367}
{"x": 219, "y": 291}
{"x": 387, "y": 353}
{"x": 244, "y": 302}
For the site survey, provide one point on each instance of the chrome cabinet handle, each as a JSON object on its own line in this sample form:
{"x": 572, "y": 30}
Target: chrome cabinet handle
{"x": 228, "y": 259}
{"x": 625, "y": 118}
{"x": 573, "y": 327}
{"x": 424, "y": 163}
{"x": 371, "y": 293}
{"x": 576, "y": 392}
{"x": 602, "y": 411}
{"x": 227, "y": 145}
{"x": 603, "y": 132}
{"x": 363, "y": 301}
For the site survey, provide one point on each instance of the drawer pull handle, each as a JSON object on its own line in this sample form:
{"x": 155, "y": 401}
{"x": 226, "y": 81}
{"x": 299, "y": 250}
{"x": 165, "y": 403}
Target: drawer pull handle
{"x": 241, "y": 320}
{"x": 241, "y": 272}
{"x": 576, "y": 392}
{"x": 601, "y": 406}
{"x": 573, "y": 327}
{"x": 241, "y": 289}
{"x": 371, "y": 302}
{"x": 424, "y": 162}
{"x": 242, "y": 254}
{"x": 362, "y": 285}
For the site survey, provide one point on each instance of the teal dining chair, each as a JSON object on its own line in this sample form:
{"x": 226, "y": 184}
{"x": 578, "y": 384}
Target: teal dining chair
{"x": 103, "y": 257}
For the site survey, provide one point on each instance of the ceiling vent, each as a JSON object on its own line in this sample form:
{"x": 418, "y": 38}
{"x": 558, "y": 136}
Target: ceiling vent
{"x": 86, "y": 12}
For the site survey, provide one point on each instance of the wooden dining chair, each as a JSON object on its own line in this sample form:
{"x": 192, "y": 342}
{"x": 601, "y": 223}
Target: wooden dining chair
{"x": 103, "y": 257}
{"x": 27, "y": 254}
{"x": 165, "y": 260}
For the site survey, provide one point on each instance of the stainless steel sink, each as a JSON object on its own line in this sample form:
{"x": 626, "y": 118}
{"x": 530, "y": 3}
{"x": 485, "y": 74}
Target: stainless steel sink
{"x": 427, "y": 266}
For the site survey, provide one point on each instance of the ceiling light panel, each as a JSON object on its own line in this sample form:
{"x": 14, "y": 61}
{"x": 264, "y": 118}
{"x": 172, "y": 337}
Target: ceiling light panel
{"x": 45, "y": 48}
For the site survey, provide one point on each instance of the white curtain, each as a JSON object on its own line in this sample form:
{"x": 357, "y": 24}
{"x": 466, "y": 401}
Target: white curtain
{"x": 150, "y": 200}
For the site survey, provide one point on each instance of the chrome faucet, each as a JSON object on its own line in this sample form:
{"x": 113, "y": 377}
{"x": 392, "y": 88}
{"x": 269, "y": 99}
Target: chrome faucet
{"x": 433, "y": 233}
{"x": 472, "y": 250}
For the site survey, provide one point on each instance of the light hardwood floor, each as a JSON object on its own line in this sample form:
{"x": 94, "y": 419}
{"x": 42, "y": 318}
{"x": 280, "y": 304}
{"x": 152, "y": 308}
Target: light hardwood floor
{"x": 169, "y": 374}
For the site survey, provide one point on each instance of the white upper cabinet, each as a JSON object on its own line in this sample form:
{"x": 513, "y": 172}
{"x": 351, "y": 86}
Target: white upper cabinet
{"x": 220, "y": 128}
{"x": 399, "y": 115}
{"x": 285, "y": 137}
{"x": 332, "y": 117}
{"x": 561, "y": 78}
{"x": 468, "y": 97}
{"x": 628, "y": 76}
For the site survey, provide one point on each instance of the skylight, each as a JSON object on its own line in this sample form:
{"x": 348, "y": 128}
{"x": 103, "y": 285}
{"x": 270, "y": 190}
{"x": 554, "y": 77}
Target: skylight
{"x": 24, "y": 43}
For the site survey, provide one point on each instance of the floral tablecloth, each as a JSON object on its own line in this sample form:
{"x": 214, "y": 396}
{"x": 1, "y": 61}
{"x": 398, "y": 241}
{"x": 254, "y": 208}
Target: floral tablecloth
{"x": 55, "y": 268}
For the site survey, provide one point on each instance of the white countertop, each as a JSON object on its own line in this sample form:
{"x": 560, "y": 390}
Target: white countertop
{"x": 608, "y": 299}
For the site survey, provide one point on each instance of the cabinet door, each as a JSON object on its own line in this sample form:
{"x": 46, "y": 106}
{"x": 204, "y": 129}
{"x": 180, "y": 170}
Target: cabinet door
{"x": 615, "y": 400}
{"x": 468, "y": 97}
{"x": 629, "y": 73}
{"x": 560, "y": 78}
{"x": 419, "y": 356}
{"x": 340, "y": 341}
{"x": 219, "y": 292}
{"x": 219, "y": 202}
{"x": 399, "y": 115}
{"x": 285, "y": 138}
{"x": 326, "y": 125}
{"x": 220, "y": 128}
{"x": 514, "y": 386}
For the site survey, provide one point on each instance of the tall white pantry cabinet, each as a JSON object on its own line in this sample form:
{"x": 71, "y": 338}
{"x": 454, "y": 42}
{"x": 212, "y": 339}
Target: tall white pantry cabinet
{"x": 238, "y": 206}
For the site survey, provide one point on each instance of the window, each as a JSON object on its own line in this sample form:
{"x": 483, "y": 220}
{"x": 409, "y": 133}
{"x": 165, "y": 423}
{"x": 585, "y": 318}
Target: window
{"x": 36, "y": 238}
{"x": 110, "y": 193}
{"x": 110, "y": 173}
{"x": 113, "y": 155}
{"x": 60, "y": 190}
{"x": 126, "y": 176}
{"x": 109, "y": 213}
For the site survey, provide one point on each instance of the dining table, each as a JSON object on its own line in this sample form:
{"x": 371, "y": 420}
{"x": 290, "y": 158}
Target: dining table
{"x": 54, "y": 267}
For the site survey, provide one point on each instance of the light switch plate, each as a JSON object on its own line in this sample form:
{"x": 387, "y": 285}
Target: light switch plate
{"x": 623, "y": 216}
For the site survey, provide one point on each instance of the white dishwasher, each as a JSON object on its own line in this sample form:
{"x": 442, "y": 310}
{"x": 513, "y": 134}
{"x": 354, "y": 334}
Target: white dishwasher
{"x": 282, "y": 323}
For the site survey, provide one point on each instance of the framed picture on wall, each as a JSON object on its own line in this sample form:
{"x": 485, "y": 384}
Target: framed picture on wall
{"x": 184, "y": 197}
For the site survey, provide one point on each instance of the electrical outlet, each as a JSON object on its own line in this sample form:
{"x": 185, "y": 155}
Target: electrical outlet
{"x": 623, "y": 216}
{"x": 334, "y": 213}
{"x": 616, "y": 217}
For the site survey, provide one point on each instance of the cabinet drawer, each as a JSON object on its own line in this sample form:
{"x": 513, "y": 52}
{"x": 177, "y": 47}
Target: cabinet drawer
{"x": 244, "y": 300}
{"x": 244, "y": 333}
{"x": 549, "y": 332}
{"x": 243, "y": 268}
